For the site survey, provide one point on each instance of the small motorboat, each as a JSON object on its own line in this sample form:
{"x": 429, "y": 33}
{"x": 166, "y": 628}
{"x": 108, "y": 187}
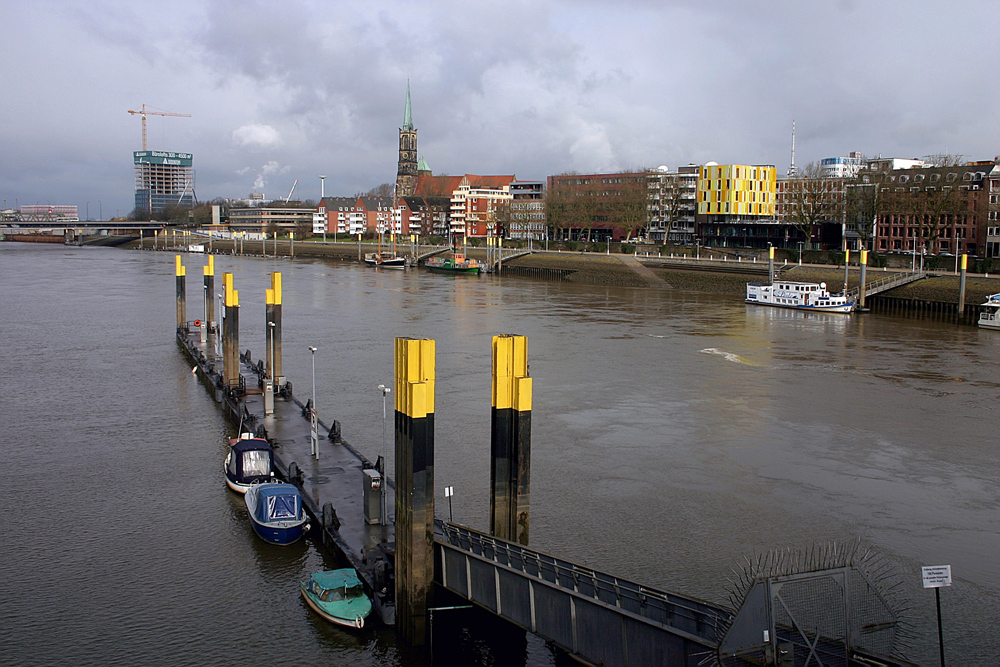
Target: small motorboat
{"x": 276, "y": 512}
{"x": 337, "y": 596}
{"x": 250, "y": 461}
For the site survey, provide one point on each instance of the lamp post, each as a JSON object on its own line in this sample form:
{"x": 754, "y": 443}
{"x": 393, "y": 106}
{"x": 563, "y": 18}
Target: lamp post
{"x": 313, "y": 421}
{"x": 801, "y": 243}
{"x": 383, "y": 516}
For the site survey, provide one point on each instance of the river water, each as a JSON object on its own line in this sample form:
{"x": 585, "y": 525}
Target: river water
{"x": 673, "y": 433}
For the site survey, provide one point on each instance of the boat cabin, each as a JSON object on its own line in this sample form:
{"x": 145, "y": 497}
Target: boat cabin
{"x": 251, "y": 460}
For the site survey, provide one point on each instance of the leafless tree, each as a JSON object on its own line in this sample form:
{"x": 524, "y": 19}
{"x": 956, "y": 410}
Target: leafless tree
{"x": 813, "y": 198}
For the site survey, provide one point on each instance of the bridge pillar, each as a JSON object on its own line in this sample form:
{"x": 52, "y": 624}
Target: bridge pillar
{"x": 272, "y": 313}
{"x": 231, "y": 333}
{"x": 414, "y": 428}
{"x": 181, "y": 274}
{"x": 510, "y": 440}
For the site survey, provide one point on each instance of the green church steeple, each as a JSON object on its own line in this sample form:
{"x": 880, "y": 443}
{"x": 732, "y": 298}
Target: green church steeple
{"x": 407, "y": 116}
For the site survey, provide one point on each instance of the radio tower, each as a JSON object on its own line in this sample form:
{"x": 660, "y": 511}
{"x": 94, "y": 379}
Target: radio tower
{"x": 792, "y": 172}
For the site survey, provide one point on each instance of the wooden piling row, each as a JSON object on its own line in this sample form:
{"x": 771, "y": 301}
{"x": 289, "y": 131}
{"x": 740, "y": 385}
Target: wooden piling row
{"x": 944, "y": 311}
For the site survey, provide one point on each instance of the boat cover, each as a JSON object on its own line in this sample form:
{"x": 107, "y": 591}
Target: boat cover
{"x": 278, "y": 502}
{"x": 251, "y": 458}
{"x": 345, "y": 578}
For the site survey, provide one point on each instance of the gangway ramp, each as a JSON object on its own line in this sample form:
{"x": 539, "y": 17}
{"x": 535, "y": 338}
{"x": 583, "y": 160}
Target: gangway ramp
{"x": 596, "y": 617}
{"x": 886, "y": 284}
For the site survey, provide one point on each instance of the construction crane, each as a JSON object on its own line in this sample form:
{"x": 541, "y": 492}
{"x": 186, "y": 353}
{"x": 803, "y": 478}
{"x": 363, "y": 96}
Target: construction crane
{"x": 143, "y": 112}
{"x": 292, "y": 190}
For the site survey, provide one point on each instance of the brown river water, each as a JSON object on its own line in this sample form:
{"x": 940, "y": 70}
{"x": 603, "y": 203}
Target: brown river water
{"x": 673, "y": 433}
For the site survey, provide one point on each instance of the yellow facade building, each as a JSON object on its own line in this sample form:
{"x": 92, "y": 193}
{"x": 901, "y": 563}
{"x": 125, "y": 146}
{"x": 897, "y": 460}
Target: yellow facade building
{"x": 736, "y": 190}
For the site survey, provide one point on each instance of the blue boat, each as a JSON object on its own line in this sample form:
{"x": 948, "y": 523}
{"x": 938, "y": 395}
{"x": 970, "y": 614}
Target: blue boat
{"x": 337, "y": 596}
{"x": 250, "y": 461}
{"x": 276, "y": 512}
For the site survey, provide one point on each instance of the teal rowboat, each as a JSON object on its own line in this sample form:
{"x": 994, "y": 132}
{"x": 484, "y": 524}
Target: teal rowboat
{"x": 337, "y": 596}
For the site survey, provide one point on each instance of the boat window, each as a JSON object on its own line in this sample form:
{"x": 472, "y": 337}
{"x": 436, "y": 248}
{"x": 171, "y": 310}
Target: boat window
{"x": 354, "y": 592}
{"x": 333, "y": 595}
{"x": 256, "y": 462}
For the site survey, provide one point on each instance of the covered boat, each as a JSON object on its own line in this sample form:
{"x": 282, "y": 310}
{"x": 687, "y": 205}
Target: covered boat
{"x": 990, "y": 318}
{"x": 250, "y": 461}
{"x": 337, "y": 596}
{"x": 276, "y": 512}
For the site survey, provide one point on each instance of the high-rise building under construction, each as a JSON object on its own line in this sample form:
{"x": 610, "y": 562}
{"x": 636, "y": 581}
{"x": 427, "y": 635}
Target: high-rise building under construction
{"x": 162, "y": 179}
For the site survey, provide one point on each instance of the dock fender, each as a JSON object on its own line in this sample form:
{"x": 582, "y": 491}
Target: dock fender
{"x": 331, "y": 521}
{"x": 286, "y": 390}
{"x": 334, "y": 434}
{"x": 294, "y": 473}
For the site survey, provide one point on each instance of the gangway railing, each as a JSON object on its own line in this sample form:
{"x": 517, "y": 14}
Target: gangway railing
{"x": 598, "y": 617}
{"x": 886, "y": 284}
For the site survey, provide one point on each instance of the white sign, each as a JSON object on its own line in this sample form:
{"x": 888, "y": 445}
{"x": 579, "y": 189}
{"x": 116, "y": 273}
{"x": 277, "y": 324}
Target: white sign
{"x": 449, "y": 491}
{"x": 936, "y": 576}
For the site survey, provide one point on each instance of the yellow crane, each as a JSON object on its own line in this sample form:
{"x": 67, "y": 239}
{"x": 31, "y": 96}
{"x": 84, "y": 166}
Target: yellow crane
{"x": 144, "y": 111}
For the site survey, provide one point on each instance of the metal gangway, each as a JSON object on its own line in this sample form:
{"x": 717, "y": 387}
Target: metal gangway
{"x": 886, "y": 284}
{"x": 596, "y": 617}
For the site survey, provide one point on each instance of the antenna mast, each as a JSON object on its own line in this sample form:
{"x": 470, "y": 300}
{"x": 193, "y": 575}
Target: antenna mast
{"x": 791, "y": 168}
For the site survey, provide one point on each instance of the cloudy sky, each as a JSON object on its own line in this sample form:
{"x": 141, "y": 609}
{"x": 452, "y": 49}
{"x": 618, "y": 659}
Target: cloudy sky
{"x": 279, "y": 91}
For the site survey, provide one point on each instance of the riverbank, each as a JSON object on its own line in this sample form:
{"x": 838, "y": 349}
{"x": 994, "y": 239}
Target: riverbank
{"x": 614, "y": 269}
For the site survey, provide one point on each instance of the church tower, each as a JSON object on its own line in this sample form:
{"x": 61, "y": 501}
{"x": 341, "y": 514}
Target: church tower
{"x": 406, "y": 171}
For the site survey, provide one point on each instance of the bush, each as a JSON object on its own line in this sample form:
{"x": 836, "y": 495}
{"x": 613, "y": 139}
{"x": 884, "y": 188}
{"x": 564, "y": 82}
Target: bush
{"x": 627, "y": 248}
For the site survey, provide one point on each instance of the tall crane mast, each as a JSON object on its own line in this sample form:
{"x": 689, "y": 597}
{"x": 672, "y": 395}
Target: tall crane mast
{"x": 144, "y": 111}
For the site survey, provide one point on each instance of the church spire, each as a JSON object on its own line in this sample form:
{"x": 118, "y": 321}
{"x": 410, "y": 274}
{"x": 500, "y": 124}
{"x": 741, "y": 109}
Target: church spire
{"x": 407, "y": 170}
{"x": 407, "y": 117}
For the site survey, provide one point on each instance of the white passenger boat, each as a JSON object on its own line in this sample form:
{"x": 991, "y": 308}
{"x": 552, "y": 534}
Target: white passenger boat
{"x": 801, "y": 296}
{"x": 991, "y": 318}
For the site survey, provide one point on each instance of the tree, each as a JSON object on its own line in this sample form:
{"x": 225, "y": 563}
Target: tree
{"x": 864, "y": 202}
{"x": 303, "y": 230}
{"x": 631, "y": 210}
{"x": 812, "y": 198}
{"x": 384, "y": 190}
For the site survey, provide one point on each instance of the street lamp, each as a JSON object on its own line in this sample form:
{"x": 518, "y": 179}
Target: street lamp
{"x": 385, "y": 391}
{"x": 313, "y": 425}
{"x": 801, "y": 243}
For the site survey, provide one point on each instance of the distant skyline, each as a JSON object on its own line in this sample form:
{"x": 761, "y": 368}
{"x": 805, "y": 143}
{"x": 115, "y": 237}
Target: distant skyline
{"x": 291, "y": 90}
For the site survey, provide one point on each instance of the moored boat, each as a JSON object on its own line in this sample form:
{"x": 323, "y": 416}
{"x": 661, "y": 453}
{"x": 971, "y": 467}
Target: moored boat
{"x": 801, "y": 296}
{"x": 276, "y": 512}
{"x": 458, "y": 263}
{"x": 990, "y": 319}
{"x": 386, "y": 260}
{"x": 250, "y": 461}
{"x": 337, "y": 596}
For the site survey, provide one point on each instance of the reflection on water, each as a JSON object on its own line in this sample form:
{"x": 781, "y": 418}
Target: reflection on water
{"x": 672, "y": 433}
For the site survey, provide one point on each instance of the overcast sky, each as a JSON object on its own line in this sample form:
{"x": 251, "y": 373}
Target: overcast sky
{"x": 294, "y": 89}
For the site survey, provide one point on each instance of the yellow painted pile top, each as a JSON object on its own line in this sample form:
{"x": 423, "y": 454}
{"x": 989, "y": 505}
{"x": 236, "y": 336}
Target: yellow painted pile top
{"x": 415, "y": 368}
{"x": 179, "y": 269}
{"x": 511, "y": 385}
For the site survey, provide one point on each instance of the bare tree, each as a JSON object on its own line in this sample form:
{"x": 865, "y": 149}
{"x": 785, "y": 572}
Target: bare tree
{"x": 813, "y": 198}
